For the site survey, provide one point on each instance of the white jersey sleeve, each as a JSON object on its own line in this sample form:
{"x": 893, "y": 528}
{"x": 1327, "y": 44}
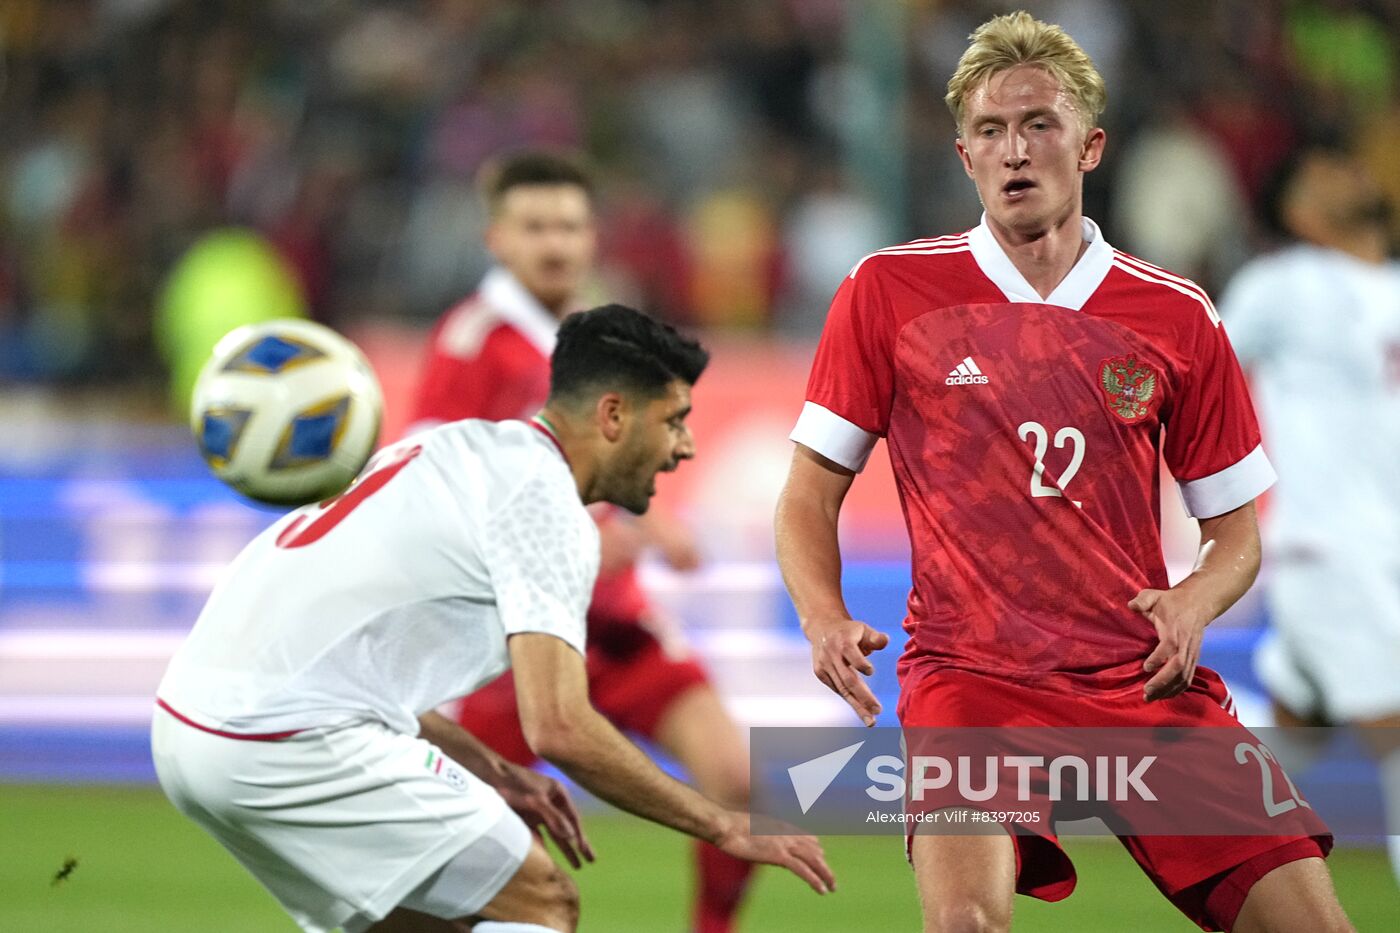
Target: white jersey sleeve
{"x": 542, "y": 571}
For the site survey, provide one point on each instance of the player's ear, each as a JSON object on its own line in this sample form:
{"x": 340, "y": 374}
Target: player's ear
{"x": 492, "y": 239}
{"x": 1092, "y": 152}
{"x": 610, "y": 414}
{"x": 962, "y": 154}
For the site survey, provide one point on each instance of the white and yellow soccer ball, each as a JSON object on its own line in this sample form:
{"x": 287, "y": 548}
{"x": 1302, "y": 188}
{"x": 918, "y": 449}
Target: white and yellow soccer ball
{"x": 286, "y": 412}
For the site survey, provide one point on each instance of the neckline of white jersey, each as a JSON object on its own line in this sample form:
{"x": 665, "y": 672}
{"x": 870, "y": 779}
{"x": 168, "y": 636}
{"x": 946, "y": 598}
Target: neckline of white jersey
{"x": 503, "y": 292}
{"x": 541, "y": 423}
{"x": 1074, "y": 290}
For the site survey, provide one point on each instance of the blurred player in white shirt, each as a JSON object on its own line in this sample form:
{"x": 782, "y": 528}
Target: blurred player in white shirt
{"x": 296, "y": 724}
{"x": 1318, "y": 324}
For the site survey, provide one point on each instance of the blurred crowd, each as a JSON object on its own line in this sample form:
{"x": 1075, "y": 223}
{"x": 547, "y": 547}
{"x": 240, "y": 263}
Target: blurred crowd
{"x": 747, "y": 152}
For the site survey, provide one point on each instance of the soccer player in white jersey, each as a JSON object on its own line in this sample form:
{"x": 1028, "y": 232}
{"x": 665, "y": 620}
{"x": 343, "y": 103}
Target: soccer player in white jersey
{"x": 1028, "y": 379}
{"x": 296, "y": 723}
{"x": 1318, "y": 324}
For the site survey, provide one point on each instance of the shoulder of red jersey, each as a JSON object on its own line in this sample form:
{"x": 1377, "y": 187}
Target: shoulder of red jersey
{"x": 916, "y": 250}
{"x": 474, "y": 330}
{"x": 1167, "y": 289}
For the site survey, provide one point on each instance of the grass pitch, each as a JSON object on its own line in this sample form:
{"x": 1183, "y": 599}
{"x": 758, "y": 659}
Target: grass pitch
{"x": 143, "y": 867}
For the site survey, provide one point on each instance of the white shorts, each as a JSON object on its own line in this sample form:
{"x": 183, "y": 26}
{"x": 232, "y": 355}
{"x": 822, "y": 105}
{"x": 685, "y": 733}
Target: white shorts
{"x": 343, "y": 825}
{"x": 1334, "y": 647}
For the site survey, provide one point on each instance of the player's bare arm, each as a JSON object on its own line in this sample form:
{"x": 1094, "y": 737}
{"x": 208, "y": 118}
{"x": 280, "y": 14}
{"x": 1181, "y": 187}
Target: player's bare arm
{"x": 562, "y": 727}
{"x": 809, "y": 554}
{"x": 1226, "y": 566}
{"x": 540, "y": 800}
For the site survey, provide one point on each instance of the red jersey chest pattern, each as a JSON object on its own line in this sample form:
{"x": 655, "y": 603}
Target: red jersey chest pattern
{"x": 1025, "y": 437}
{"x": 489, "y": 359}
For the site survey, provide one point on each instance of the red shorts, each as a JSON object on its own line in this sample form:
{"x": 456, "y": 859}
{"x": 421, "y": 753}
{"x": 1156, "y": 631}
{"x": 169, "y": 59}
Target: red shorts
{"x": 632, "y": 680}
{"x": 1206, "y": 877}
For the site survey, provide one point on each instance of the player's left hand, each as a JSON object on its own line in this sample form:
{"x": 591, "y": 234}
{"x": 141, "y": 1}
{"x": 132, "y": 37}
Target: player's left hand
{"x": 1180, "y": 625}
{"x": 543, "y": 801}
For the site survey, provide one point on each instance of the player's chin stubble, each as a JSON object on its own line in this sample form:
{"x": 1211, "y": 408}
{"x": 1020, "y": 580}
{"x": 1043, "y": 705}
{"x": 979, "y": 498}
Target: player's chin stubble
{"x": 632, "y": 481}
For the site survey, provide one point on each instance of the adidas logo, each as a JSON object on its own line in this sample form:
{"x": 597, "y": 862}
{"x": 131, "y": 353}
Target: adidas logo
{"x": 966, "y": 374}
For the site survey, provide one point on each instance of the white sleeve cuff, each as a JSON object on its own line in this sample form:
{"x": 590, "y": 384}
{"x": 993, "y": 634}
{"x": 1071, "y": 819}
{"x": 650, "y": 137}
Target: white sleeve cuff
{"x": 833, "y": 437}
{"x": 1230, "y": 488}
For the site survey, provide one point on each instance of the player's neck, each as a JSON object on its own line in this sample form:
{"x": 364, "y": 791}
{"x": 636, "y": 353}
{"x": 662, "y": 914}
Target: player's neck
{"x": 575, "y": 445}
{"x": 1044, "y": 257}
{"x": 1365, "y": 245}
{"x": 559, "y": 308}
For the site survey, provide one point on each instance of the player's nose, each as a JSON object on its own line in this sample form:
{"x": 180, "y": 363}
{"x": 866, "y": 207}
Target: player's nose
{"x": 685, "y": 446}
{"x": 1015, "y": 156}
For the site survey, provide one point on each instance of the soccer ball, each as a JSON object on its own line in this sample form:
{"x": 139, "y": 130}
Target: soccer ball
{"x": 286, "y": 412}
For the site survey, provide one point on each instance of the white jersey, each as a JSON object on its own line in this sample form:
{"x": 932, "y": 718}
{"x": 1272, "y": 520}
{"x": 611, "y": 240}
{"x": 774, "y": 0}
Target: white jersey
{"x": 400, "y": 594}
{"x": 1320, "y": 331}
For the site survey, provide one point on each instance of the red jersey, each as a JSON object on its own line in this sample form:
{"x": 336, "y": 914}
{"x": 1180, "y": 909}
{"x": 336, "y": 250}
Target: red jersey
{"x": 1025, "y": 435}
{"x": 489, "y": 359}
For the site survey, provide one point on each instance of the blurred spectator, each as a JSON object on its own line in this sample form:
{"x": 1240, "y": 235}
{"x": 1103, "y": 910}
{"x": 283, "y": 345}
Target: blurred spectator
{"x": 1378, "y": 146}
{"x": 735, "y": 259}
{"x": 1177, "y": 202}
{"x": 349, "y": 132}
{"x": 228, "y": 278}
{"x": 827, "y": 230}
{"x": 1345, "y": 55}
{"x": 644, "y": 250}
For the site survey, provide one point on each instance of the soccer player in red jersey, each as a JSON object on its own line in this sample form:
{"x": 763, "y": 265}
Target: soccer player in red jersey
{"x": 1023, "y": 374}
{"x": 489, "y": 358}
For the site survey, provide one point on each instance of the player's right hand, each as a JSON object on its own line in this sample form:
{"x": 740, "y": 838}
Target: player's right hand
{"x": 544, "y": 803}
{"x": 841, "y": 651}
{"x": 800, "y": 854}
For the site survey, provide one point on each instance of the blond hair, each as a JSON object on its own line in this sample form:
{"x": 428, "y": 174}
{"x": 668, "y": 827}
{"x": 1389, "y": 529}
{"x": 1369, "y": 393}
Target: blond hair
{"x": 1005, "y": 42}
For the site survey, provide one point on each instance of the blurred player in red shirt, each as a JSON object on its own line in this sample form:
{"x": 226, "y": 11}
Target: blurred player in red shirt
{"x": 1022, "y": 374}
{"x": 489, "y": 358}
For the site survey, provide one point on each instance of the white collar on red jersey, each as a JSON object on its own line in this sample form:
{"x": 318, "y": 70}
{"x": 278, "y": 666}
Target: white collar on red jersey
{"x": 504, "y": 294}
{"x": 1083, "y": 280}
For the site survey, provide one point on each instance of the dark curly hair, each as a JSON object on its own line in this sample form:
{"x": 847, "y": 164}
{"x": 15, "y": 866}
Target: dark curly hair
{"x": 617, "y": 348}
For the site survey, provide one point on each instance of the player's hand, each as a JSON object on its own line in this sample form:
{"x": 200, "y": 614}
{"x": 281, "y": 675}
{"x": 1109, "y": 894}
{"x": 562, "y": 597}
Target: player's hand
{"x": 800, "y": 854}
{"x": 679, "y": 550}
{"x": 1180, "y": 625}
{"x": 840, "y": 655}
{"x": 672, "y": 539}
{"x": 620, "y": 544}
{"x": 543, "y": 801}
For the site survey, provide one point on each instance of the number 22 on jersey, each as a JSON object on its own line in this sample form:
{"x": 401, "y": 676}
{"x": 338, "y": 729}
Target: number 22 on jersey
{"x": 1038, "y": 431}
{"x": 312, "y": 526}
